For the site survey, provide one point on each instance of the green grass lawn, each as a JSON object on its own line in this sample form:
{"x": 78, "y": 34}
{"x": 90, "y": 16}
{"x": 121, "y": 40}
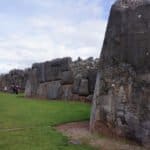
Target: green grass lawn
{"x": 36, "y": 120}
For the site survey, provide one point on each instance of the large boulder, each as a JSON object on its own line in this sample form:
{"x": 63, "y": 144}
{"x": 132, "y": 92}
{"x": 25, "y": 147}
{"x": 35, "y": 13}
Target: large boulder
{"x": 40, "y": 70}
{"x": 128, "y": 34}
{"x": 83, "y": 89}
{"x": 122, "y": 93}
{"x": 67, "y": 92}
{"x": 91, "y": 76}
{"x": 54, "y": 90}
{"x": 62, "y": 79}
{"x": 32, "y": 83}
{"x": 42, "y": 91}
{"x": 14, "y": 77}
{"x": 76, "y": 84}
{"x": 28, "y": 89}
{"x": 54, "y": 69}
{"x": 67, "y": 77}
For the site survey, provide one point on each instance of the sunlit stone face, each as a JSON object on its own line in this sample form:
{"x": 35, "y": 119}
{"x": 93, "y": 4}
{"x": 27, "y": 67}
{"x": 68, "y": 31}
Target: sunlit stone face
{"x": 128, "y": 35}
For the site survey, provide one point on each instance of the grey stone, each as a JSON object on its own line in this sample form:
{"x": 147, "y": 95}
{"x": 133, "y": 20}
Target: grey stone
{"x": 54, "y": 90}
{"x": 122, "y": 92}
{"x": 92, "y": 73}
{"x": 40, "y": 68}
{"x": 42, "y": 90}
{"x": 28, "y": 89}
{"x": 32, "y": 83}
{"x": 67, "y": 77}
{"x": 67, "y": 92}
{"x": 127, "y": 36}
{"x": 76, "y": 78}
{"x": 14, "y": 77}
{"x": 83, "y": 89}
{"x": 89, "y": 98}
{"x": 76, "y": 84}
{"x": 54, "y": 68}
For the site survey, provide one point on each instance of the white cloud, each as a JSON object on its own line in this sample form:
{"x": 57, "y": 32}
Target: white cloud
{"x": 45, "y": 36}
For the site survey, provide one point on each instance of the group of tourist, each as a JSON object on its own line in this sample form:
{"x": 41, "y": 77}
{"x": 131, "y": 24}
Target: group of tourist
{"x": 14, "y": 88}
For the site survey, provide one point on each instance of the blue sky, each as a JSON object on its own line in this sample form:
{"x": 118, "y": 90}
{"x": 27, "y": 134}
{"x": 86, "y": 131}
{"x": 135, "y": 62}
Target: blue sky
{"x": 39, "y": 30}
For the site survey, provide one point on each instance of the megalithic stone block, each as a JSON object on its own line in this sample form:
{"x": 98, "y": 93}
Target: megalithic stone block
{"x": 122, "y": 93}
{"x": 128, "y": 34}
{"x": 54, "y": 69}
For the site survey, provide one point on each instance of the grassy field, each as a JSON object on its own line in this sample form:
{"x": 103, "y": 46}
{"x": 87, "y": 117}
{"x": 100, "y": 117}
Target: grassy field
{"x": 27, "y": 124}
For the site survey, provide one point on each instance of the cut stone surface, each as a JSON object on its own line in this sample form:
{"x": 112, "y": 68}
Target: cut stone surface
{"x": 40, "y": 68}
{"x": 32, "y": 83}
{"x": 28, "y": 89}
{"x": 83, "y": 89}
{"x": 54, "y": 89}
{"x": 54, "y": 69}
{"x": 92, "y": 73}
{"x": 128, "y": 35}
{"x": 76, "y": 84}
{"x": 76, "y": 79}
{"x": 67, "y": 77}
{"x": 14, "y": 77}
{"x": 42, "y": 91}
{"x": 67, "y": 92}
{"x": 122, "y": 93}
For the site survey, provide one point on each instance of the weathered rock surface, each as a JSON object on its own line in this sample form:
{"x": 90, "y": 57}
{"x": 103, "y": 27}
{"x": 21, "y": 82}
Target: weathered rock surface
{"x": 54, "y": 69}
{"x": 40, "y": 71}
{"x": 83, "y": 90}
{"x": 32, "y": 83}
{"x": 54, "y": 90}
{"x": 122, "y": 93}
{"x": 62, "y": 79}
{"x": 91, "y": 76}
{"x": 28, "y": 88}
{"x": 128, "y": 35}
{"x": 42, "y": 90}
{"x": 67, "y": 92}
{"x": 76, "y": 84}
{"x": 67, "y": 77}
{"x": 14, "y": 77}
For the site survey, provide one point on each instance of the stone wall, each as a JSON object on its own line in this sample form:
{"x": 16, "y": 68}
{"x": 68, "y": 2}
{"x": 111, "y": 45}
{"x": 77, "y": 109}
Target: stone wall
{"x": 122, "y": 95}
{"x": 62, "y": 79}
{"x": 14, "y": 77}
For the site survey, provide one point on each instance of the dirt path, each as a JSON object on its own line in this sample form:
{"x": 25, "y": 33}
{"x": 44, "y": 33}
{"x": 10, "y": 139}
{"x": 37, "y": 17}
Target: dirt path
{"x": 79, "y": 133}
